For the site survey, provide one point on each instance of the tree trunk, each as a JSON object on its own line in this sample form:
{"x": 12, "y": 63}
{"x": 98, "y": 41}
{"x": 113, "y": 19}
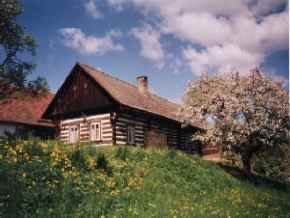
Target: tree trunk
{"x": 247, "y": 166}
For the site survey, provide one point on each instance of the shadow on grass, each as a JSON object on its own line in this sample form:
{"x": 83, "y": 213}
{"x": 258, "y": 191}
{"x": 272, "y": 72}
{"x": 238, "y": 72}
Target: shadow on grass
{"x": 255, "y": 179}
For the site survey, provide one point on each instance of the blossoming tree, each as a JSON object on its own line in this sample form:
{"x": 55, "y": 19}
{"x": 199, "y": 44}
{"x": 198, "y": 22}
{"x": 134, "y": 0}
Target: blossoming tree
{"x": 245, "y": 115}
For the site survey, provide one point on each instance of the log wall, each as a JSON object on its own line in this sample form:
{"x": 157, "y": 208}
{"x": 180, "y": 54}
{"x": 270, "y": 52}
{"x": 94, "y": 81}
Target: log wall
{"x": 83, "y": 125}
{"x": 145, "y": 129}
{"x": 186, "y": 142}
{"x": 122, "y": 123}
{"x": 148, "y": 132}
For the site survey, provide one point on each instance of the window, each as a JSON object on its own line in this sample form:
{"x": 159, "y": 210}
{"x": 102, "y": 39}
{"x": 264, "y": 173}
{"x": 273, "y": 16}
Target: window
{"x": 131, "y": 135}
{"x": 73, "y": 134}
{"x": 95, "y": 131}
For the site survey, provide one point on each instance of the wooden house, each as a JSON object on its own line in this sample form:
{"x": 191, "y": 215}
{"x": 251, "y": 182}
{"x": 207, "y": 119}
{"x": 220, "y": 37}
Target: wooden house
{"x": 92, "y": 106}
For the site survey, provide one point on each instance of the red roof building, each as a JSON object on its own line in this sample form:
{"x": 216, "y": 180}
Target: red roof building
{"x": 24, "y": 111}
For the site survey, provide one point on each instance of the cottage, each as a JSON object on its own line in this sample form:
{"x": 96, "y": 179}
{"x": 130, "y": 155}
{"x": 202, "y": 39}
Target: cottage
{"x": 21, "y": 115}
{"x": 92, "y": 106}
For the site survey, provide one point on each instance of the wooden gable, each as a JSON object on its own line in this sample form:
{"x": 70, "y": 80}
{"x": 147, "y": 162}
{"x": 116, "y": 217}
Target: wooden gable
{"x": 79, "y": 95}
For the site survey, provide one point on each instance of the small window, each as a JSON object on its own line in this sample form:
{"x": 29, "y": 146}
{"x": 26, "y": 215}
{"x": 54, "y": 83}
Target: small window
{"x": 131, "y": 135}
{"x": 73, "y": 134}
{"x": 95, "y": 131}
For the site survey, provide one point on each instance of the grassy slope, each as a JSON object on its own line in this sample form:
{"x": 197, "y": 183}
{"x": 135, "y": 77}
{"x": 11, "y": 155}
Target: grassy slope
{"x": 169, "y": 184}
{"x": 151, "y": 183}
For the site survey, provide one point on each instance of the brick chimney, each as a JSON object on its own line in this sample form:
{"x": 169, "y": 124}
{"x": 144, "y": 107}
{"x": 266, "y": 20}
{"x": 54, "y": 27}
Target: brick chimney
{"x": 142, "y": 84}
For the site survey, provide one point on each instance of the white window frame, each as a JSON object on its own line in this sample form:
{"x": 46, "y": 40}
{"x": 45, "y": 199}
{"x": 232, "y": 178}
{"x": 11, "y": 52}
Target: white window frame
{"x": 74, "y": 130}
{"x": 99, "y": 136}
{"x": 131, "y": 135}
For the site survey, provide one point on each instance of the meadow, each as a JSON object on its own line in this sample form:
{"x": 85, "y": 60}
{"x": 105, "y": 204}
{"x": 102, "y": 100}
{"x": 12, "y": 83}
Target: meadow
{"x": 50, "y": 179}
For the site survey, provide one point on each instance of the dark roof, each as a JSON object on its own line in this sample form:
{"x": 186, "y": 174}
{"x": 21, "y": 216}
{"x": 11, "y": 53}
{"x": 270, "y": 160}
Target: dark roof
{"x": 25, "y": 108}
{"x": 128, "y": 95}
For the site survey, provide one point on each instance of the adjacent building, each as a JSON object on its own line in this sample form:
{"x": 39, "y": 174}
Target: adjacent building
{"x": 21, "y": 115}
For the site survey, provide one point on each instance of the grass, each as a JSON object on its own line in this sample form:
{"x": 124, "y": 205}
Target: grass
{"x": 133, "y": 182}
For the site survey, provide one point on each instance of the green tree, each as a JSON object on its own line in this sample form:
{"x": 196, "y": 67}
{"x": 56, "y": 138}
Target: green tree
{"x": 249, "y": 114}
{"x": 14, "y": 44}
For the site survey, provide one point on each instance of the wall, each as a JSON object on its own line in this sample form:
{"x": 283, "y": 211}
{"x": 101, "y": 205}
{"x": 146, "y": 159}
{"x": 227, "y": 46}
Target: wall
{"x": 187, "y": 143}
{"x": 210, "y": 149}
{"x": 84, "y": 132}
{"x": 24, "y": 131}
{"x": 7, "y": 128}
{"x": 122, "y": 122}
{"x": 155, "y": 138}
{"x": 79, "y": 94}
{"x": 147, "y": 131}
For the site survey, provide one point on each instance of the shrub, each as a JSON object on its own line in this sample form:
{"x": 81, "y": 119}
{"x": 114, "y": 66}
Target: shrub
{"x": 171, "y": 154}
{"x": 91, "y": 150}
{"x": 274, "y": 163}
{"x": 122, "y": 153}
{"x": 138, "y": 155}
{"x": 103, "y": 164}
{"x": 231, "y": 158}
{"x": 27, "y": 179}
{"x": 10, "y": 191}
{"x": 78, "y": 159}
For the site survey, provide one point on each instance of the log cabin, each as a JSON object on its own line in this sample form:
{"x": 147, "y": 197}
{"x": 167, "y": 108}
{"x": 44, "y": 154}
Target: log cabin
{"x": 92, "y": 106}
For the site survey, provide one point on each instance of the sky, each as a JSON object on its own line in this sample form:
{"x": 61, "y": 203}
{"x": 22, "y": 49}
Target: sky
{"x": 171, "y": 42}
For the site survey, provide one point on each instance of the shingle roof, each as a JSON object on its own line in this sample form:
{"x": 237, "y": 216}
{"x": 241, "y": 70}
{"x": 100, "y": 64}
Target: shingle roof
{"x": 25, "y": 109}
{"x": 128, "y": 95}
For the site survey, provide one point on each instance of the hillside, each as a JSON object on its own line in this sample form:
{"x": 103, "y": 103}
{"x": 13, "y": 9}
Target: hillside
{"x": 50, "y": 180}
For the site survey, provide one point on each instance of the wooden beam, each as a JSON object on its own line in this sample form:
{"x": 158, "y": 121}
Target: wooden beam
{"x": 113, "y": 116}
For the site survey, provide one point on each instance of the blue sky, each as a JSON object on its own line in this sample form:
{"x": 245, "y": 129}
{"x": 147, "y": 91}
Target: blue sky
{"x": 170, "y": 42}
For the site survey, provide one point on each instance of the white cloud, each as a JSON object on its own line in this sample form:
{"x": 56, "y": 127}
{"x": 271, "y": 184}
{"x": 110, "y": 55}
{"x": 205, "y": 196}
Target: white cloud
{"x": 117, "y": 4}
{"x": 151, "y": 47}
{"x": 227, "y": 58}
{"x": 92, "y": 10}
{"x": 267, "y": 6}
{"x": 249, "y": 30}
{"x": 274, "y": 32}
{"x": 169, "y": 8}
{"x": 75, "y": 39}
{"x": 200, "y": 28}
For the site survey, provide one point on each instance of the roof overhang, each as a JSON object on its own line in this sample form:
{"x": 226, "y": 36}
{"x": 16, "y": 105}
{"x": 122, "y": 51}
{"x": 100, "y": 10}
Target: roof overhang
{"x": 45, "y": 124}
